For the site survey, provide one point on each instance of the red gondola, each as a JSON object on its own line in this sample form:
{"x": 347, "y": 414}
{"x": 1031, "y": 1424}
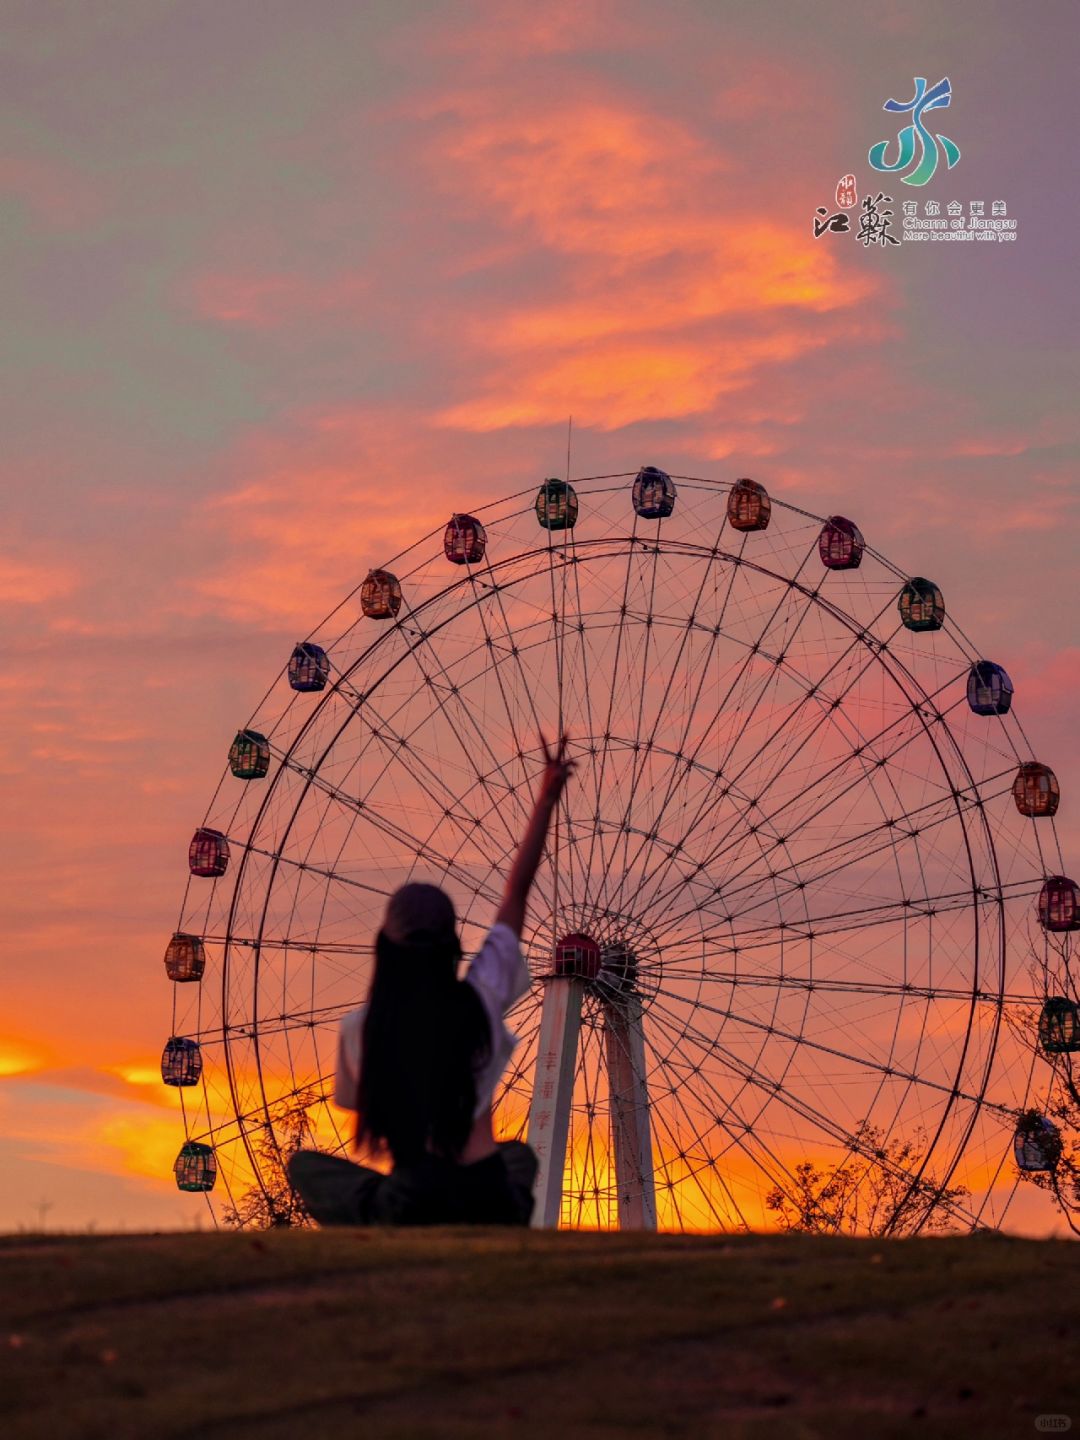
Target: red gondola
{"x": 1059, "y": 904}
{"x": 840, "y": 544}
{"x": 208, "y": 853}
{"x": 464, "y": 540}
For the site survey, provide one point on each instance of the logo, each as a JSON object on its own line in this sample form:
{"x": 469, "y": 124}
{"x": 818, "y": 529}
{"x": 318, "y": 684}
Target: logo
{"x": 936, "y": 99}
{"x": 864, "y": 212}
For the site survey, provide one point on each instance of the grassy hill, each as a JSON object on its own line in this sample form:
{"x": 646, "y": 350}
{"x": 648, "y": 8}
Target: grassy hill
{"x": 443, "y": 1334}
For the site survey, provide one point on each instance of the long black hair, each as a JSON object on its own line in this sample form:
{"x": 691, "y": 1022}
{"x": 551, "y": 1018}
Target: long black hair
{"x": 425, "y": 1033}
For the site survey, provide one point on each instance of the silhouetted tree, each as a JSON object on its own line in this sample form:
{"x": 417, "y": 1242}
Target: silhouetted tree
{"x": 272, "y": 1202}
{"x": 871, "y": 1193}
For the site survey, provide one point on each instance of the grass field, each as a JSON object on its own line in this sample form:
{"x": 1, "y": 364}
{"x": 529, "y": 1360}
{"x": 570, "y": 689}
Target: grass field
{"x": 442, "y": 1334}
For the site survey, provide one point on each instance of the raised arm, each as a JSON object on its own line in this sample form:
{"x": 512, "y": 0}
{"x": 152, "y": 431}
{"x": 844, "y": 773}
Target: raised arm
{"x": 557, "y": 771}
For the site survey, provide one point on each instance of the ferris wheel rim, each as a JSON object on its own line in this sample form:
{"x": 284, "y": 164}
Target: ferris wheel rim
{"x": 468, "y": 582}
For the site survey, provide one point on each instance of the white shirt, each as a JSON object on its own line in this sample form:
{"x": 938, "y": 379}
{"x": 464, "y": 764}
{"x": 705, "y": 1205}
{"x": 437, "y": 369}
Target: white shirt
{"x": 499, "y": 976}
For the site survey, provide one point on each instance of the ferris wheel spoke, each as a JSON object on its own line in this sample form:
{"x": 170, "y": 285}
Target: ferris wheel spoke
{"x": 729, "y": 840}
{"x": 462, "y": 712}
{"x": 246, "y": 1121}
{"x": 326, "y": 948}
{"x": 714, "y": 635}
{"x": 580, "y": 885}
{"x": 857, "y": 753}
{"x": 746, "y": 1138}
{"x": 863, "y": 753}
{"x": 302, "y": 865}
{"x": 406, "y": 740}
{"x": 553, "y": 843}
{"x": 402, "y": 750}
{"x": 309, "y": 1018}
{"x": 659, "y": 1112}
{"x": 900, "y": 989}
{"x": 638, "y": 747}
{"x": 641, "y": 797}
{"x": 586, "y": 686}
{"x": 558, "y": 620}
{"x": 757, "y": 648}
{"x": 844, "y": 855}
{"x": 467, "y": 825}
{"x": 709, "y": 800}
{"x": 920, "y": 819}
{"x": 852, "y": 1141}
{"x": 514, "y": 652}
{"x": 780, "y": 737}
{"x": 599, "y": 1193}
{"x": 513, "y": 649}
{"x": 600, "y": 772}
{"x": 884, "y": 911}
{"x": 861, "y": 1062}
{"x": 553, "y": 846}
{"x": 422, "y": 849}
{"x": 558, "y": 627}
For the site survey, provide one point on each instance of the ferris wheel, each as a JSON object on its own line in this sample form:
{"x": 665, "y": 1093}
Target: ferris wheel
{"x": 787, "y": 897}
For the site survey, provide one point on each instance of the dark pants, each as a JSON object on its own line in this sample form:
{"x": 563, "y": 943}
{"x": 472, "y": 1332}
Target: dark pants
{"x": 433, "y": 1191}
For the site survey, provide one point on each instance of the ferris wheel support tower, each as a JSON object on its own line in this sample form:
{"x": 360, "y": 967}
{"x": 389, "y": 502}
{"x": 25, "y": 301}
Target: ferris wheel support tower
{"x": 553, "y": 1092}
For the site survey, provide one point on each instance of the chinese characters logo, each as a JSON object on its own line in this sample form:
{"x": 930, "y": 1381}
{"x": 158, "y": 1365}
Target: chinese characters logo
{"x": 870, "y": 221}
{"x": 935, "y": 99}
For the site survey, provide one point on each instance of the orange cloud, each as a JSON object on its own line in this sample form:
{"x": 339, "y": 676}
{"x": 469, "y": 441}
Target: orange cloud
{"x": 623, "y": 383}
{"x": 21, "y": 1056}
{"x": 672, "y": 290}
{"x": 143, "y": 1145}
{"x": 576, "y": 173}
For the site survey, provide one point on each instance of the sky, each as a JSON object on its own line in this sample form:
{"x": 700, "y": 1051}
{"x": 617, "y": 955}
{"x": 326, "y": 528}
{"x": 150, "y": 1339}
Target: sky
{"x": 284, "y": 285}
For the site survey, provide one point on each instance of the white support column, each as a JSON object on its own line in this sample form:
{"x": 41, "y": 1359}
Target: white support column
{"x": 624, "y": 1043}
{"x": 553, "y": 1091}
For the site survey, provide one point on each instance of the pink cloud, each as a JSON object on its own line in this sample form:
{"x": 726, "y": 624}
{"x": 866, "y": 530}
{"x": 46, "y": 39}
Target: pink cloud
{"x": 27, "y": 583}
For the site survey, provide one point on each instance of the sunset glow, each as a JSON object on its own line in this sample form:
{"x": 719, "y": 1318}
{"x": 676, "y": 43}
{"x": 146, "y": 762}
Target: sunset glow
{"x": 282, "y": 298}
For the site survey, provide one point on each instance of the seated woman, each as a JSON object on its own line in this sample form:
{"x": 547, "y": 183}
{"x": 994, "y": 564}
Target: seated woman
{"x": 420, "y": 1061}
